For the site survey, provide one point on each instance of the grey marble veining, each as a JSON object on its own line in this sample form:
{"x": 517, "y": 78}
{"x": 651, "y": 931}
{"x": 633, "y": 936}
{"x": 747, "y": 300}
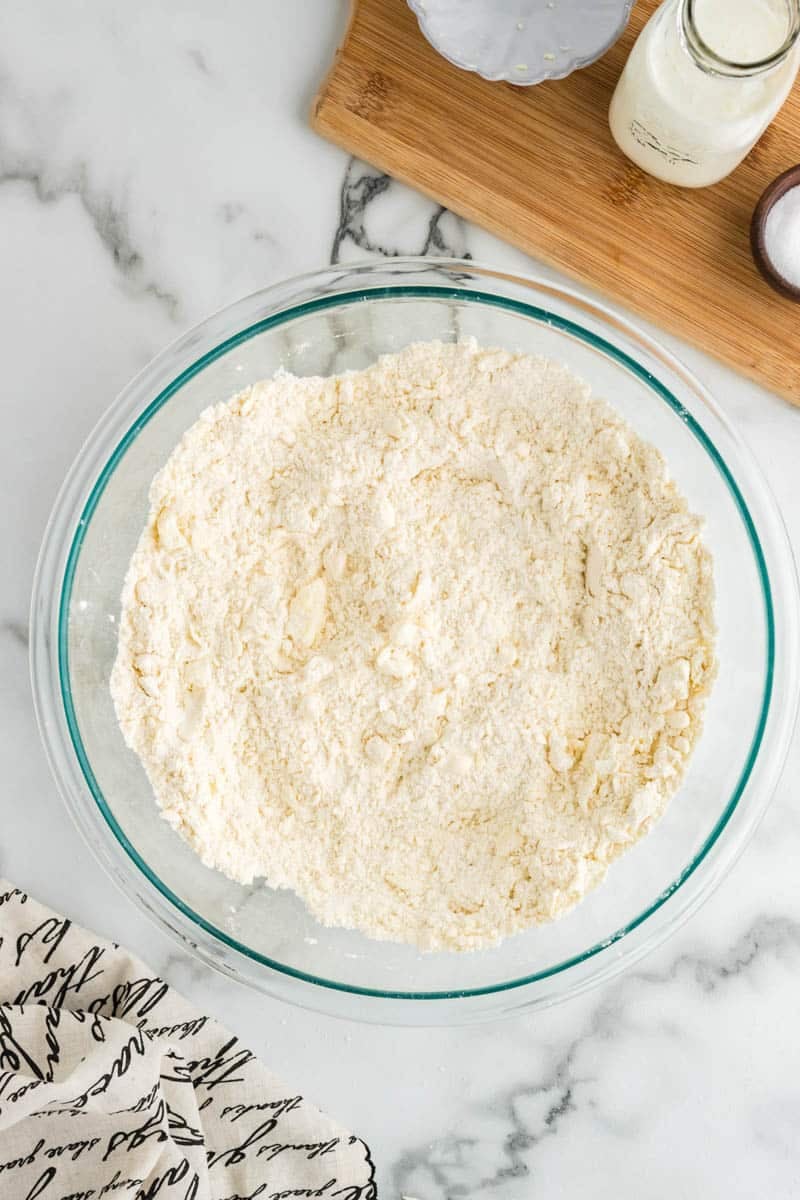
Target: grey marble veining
{"x": 155, "y": 164}
{"x": 108, "y": 220}
{"x": 426, "y": 228}
{"x": 567, "y": 1092}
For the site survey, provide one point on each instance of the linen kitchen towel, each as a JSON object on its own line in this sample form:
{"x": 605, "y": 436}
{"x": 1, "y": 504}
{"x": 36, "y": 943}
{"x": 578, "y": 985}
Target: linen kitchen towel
{"x": 113, "y": 1088}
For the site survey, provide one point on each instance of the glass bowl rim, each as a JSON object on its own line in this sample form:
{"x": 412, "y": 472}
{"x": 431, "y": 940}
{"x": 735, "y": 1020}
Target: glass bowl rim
{"x": 462, "y": 294}
{"x": 675, "y": 905}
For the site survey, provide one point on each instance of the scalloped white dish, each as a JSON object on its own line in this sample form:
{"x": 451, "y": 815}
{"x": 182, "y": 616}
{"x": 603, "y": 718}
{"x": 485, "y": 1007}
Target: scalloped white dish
{"x": 522, "y": 41}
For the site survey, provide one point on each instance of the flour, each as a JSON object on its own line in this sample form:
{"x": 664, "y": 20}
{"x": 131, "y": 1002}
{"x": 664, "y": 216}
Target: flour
{"x": 428, "y": 643}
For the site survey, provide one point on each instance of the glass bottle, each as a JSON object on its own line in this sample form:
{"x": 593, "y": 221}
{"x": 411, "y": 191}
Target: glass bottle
{"x": 702, "y": 83}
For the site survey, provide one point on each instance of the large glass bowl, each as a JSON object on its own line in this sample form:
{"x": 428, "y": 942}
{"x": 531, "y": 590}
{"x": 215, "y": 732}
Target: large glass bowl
{"x": 327, "y": 322}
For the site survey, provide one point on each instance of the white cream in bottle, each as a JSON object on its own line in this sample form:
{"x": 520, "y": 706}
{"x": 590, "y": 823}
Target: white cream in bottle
{"x": 702, "y": 83}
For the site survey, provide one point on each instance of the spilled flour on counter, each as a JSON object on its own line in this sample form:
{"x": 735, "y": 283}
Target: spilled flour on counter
{"x": 428, "y": 643}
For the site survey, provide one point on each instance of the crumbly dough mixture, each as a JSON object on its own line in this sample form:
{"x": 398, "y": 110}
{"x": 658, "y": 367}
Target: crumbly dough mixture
{"x": 428, "y": 643}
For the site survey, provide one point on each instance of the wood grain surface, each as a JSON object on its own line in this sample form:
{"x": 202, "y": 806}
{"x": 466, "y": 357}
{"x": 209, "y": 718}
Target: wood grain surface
{"x": 538, "y": 167}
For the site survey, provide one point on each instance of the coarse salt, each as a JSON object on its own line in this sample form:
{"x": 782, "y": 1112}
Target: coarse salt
{"x": 782, "y": 236}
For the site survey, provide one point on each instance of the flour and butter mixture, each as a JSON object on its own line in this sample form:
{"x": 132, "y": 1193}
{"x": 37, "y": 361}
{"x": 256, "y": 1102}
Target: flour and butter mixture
{"x": 428, "y": 643}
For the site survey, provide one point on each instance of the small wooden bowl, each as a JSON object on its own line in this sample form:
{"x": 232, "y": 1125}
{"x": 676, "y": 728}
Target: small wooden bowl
{"x": 773, "y": 193}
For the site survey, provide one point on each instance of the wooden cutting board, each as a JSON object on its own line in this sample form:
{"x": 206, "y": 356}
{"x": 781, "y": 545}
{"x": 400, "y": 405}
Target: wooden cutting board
{"x": 538, "y": 167}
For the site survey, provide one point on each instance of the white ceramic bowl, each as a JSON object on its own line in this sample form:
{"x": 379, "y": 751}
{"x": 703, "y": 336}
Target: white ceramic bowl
{"x": 522, "y": 41}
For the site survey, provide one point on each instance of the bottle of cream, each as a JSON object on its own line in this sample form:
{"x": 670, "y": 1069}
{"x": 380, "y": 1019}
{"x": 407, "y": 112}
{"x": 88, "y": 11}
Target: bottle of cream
{"x": 702, "y": 83}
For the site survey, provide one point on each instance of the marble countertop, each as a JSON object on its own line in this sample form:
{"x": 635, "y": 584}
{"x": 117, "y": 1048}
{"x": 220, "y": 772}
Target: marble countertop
{"x": 155, "y": 164}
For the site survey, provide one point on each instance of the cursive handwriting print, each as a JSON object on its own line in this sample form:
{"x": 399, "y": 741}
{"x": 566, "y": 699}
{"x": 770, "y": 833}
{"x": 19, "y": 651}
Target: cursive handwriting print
{"x": 111, "y": 1086}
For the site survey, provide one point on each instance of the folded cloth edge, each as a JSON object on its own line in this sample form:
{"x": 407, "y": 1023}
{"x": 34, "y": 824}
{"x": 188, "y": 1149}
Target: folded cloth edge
{"x": 121, "y": 1088}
